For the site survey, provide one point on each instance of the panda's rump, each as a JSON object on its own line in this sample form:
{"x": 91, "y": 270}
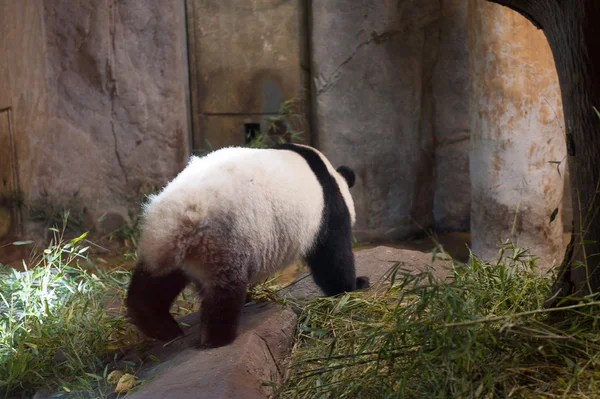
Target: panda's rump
{"x": 265, "y": 229}
{"x": 253, "y": 213}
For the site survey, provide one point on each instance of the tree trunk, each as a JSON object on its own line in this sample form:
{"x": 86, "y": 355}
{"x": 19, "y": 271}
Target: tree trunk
{"x": 573, "y": 33}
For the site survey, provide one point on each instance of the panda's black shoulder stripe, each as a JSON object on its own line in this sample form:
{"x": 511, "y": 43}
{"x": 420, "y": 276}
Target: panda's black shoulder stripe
{"x": 336, "y": 216}
{"x": 315, "y": 163}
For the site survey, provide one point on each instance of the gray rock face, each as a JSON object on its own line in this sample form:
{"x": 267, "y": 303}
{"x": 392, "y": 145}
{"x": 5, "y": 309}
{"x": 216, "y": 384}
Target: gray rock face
{"x": 452, "y": 191}
{"x": 99, "y": 99}
{"x": 116, "y": 100}
{"x": 389, "y": 81}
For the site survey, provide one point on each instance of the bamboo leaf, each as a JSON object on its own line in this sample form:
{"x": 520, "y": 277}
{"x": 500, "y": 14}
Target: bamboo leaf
{"x": 553, "y": 216}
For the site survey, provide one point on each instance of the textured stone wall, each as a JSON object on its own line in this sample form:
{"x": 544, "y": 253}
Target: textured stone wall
{"x": 390, "y": 99}
{"x": 115, "y": 83}
{"x": 516, "y": 129}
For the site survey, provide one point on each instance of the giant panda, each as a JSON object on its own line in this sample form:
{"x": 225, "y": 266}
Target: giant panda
{"x": 230, "y": 219}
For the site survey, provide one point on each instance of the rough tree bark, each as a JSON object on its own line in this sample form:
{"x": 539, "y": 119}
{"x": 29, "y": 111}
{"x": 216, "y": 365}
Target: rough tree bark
{"x": 572, "y": 28}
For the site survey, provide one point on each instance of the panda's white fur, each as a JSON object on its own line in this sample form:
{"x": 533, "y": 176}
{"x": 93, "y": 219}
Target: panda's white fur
{"x": 258, "y": 210}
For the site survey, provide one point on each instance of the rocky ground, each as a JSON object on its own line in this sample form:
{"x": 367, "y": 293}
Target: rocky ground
{"x": 258, "y": 355}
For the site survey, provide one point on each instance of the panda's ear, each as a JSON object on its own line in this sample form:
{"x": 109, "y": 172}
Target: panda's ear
{"x": 348, "y": 174}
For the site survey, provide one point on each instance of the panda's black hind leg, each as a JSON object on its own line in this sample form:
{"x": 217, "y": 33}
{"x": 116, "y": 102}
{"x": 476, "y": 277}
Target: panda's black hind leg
{"x": 332, "y": 265}
{"x": 149, "y": 299}
{"x": 221, "y": 311}
{"x": 362, "y": 282}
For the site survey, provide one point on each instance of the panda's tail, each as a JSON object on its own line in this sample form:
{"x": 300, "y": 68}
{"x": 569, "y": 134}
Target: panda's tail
{"x": 168, "y": 230}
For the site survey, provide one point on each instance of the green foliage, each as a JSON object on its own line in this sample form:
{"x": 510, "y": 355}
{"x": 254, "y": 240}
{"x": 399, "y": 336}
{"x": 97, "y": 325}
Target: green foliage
{"x": 481, "y": 333}
{"x": 58, "y": 319}
{"x": 127, "y": 235}
{"x": 286, "y": 116}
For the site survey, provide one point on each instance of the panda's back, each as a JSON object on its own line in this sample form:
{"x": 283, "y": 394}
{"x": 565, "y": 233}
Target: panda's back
{"x": 262, "y": 207}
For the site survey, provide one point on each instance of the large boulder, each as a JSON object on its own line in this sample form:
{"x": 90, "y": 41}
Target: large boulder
{"x": 517, "y": 134}
{"x": 377, "y": 264}
{"x": 234, "y": 371}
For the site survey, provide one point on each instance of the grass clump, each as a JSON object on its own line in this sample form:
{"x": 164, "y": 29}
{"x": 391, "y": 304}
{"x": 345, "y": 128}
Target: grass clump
{"x": 58, "y": 319}
{"x": 480, "y": 333}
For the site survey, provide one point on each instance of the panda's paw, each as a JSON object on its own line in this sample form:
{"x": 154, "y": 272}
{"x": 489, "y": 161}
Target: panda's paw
{"x": 200, "y": 346}
{"x": 169, "y": 334}
{"x": 362, "y": 282}
{"x": 163, "y": 332}
{"x": 160, "y": 327}
{"x": 212, "y": 344}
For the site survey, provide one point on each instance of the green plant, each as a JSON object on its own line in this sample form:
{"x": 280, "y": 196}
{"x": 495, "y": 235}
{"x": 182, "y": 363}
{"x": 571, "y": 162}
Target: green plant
{"x": 58, "y": 319}
{"x": 481, "y": 333}
{"x": 287, "y": 117}
{"x": 128, "y": 234}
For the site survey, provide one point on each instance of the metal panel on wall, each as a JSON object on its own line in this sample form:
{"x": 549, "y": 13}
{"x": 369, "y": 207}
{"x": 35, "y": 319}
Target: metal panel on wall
{"x": 246, "y": 58}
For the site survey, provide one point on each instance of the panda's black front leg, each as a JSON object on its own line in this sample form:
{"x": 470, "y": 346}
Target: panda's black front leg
{"x": 221, "y": 311}
{"x": 149, "y": 299}
{"x": 332, "y": 265}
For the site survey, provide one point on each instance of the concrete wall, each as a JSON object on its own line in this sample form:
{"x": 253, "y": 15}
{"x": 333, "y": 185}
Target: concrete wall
{"x": 388, "y": 93}
{"x": 516, "y": 130}
{"x": 96, "y": 103}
